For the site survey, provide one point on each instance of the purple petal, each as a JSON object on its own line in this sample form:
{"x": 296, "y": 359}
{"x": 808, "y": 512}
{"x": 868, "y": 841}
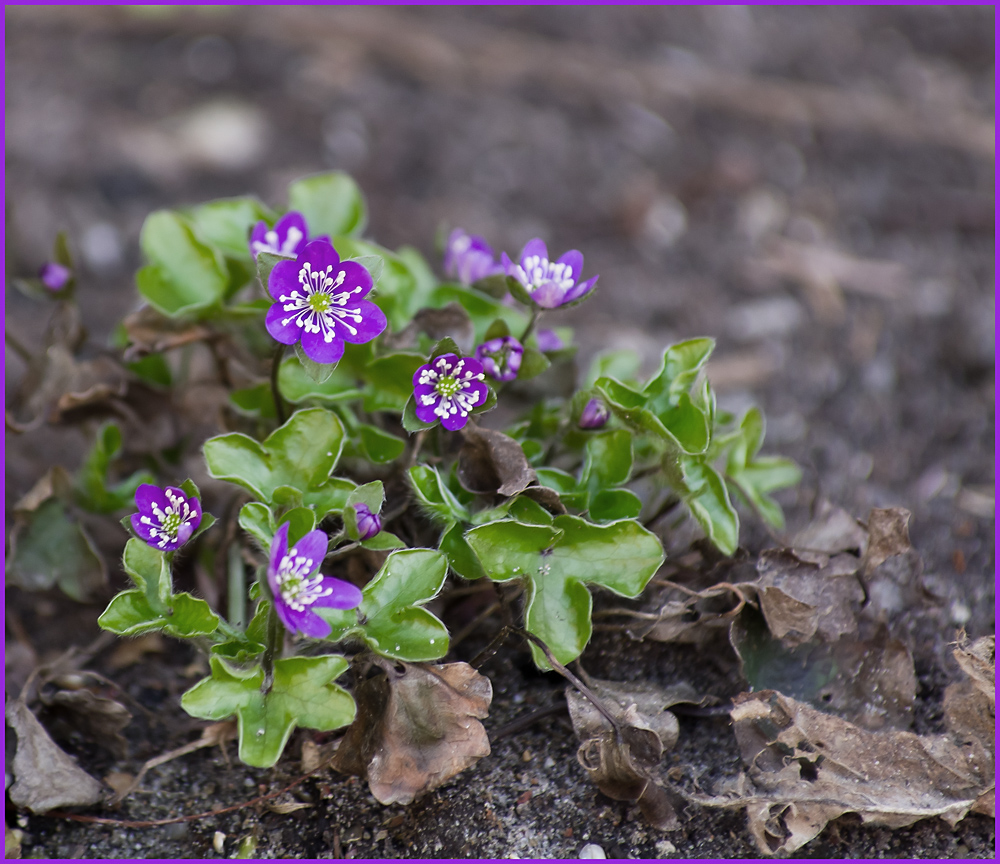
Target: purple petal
{"x": 320, "y": 254}
{"x": 292, "y": 219}
{"x": 344, "y": 596}
{"x": 355, "y": 276}
{"x": 549, "y": 295}
{"x": 54, "y": 276}
{"x": 139, "y": 528}
{"x": 508, "y": 265}
{"x": 425, "y": 413}
{"x": 423, "y": 390}
{"x": 279, "y": 548}
{"x": 324, "y": 237}
{"x": 281, "y": 325}
{"x": 184, "y": 532}
{"x": 573, "y": 259}
{"x": 284, "y": 279}
{"x": 534, "y": 247}
{"x": 313, "y": 546}
{"x": 373, "y": 323}
{"x": 479, "y": 391}
{"x": 470, "y": 368}
{"x": 577, "y": 291}
{"x": 147, "y": 496}
{"x": 319, "y": 350}
{"x": 548, "y": 341}
{"x": 285, "y": 612}
{"x": 308, "y": 623}
{"x": 454, "y": 421}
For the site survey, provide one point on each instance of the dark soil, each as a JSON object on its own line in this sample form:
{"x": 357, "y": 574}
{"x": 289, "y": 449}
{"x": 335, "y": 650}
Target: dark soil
{"x": 516, "y": 122}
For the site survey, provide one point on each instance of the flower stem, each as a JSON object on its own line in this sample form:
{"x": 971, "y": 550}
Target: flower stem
{"x": 236, "y": 589}
{"x": 279, "y": 403}
{"x": 275, "y": 637}
{"x": 532, "y": 322}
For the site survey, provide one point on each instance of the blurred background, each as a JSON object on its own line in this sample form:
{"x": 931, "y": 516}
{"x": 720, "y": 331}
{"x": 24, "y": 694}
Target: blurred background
{"x": 814, "y": 187}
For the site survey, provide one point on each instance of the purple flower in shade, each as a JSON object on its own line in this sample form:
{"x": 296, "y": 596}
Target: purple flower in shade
{"x": 447, "y": 389}
{"x": 369, "y": 524}
{"x": 594, "y": 415}
{"x": 167, "y": 517}
{"x": 54, "y": 276}
{"x": 288, "y": 236}
{"x": 549, "y": 341}
{"x": 469, "y": 258}
{"x": 297, "y": 586}
{"x": 550, "y": 283}
{"x": 501, "y": 357}
{"x": 320, "y": 300}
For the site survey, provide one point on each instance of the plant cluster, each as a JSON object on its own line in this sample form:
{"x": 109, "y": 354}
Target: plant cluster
{"x": 364, "y": 446}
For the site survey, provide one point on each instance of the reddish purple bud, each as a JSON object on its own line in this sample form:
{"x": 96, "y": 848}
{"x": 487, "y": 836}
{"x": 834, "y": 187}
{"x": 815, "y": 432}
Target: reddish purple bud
{"x": 501, "y": 357}
{"x": 594, "y": 415}
{"x": 369, "y": 524}
{"x": 54, "y": 276}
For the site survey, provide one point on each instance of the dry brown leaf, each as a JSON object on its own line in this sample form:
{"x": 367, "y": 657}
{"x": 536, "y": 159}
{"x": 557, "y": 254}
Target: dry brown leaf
{"x": 131, "y": 651}
{"x": 624, "y": 763}
{"x": 45, "y": 776}
{"x": 491, "y": 462}
{"x": 832, "y": 530}
{"x": 450, "y": 321}
{"x": 149, "y": 332}
{"x": 888, "y": 535}
{"x": 978, "y": 661}
{"x": 283, "y": 808}
{"x": 801, "y": 598}
{"x": 417, "y": 726}
{"x": 98, "y": 718}
{"x": 805, "y": 768}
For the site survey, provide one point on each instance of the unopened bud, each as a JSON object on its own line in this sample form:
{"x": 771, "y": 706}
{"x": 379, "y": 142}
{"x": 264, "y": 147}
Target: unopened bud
{"x": 368, "y": 523}
{"x": 594, "y": 415}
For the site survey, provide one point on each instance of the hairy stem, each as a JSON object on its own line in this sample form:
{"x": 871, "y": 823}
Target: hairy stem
{"x": 279, "y": 403}
{"x": 532, "y": 323}
{"x": 275, "y": 637}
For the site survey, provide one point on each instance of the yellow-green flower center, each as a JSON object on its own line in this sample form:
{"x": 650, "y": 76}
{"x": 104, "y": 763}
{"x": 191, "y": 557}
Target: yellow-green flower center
{"x": 319, "y": 301}
{"x": 447, "y": 386}
{"x": 171, "y": 522}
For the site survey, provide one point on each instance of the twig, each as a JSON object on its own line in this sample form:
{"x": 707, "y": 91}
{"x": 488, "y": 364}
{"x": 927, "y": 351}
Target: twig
{"x": 573, "y": 679}
{"x": 473, "y": 625}
{"x": 527, "y": 721}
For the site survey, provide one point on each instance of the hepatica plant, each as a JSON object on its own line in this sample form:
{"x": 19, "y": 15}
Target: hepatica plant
{"x": 360, "y": 475}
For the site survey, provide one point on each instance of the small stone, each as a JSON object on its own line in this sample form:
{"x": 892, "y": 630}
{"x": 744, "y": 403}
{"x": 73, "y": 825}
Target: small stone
{"x": 527, "y": 756}
{"x": 219, "y": 842}
{"x": 664, "y": 848}
{"x": 592, "y": 850}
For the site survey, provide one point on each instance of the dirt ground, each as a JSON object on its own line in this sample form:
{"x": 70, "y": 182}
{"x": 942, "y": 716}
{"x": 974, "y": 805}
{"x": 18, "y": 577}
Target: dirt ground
{"x": 811, "y": 186}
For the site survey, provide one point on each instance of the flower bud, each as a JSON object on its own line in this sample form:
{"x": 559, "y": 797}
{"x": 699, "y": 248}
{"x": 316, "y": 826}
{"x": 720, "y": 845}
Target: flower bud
{"x": 369, "y": 524}
{"x": 54, "y": 276}
{"x": 594, "y": 415}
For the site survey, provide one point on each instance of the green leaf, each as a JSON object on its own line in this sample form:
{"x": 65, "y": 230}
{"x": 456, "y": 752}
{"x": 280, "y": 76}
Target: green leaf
{"x": 48, "y": 548}
{"x": 401, "y": 292}
{"x": 328, "y": 498}
{"x": 434, "y": 497}
{"x": 499, "y": 328}
{"x": 610, "y": 505}
{"x": 557, "y": 562}
{"x": 681, "y": 364}
{"x": 226, "y": 224}
{"x": 93, "y": 492}
{"x": 688, "y": 424}
{"x": 461, "y": 558}
{"x": 622, "y": 365}
{"x": 482, "y": 308}
{"x": 129, "y": 614}
{"x": 390, "y": 381}
{"x": 630, "y": 407}
{"x": 316, "y": 372}
{"x": 150, "y": 570}
{"x": 524, "y": 509}
{"x": 301, "y": 520}
{"x": 394, "y": 622}
{"x": 608, "y": 462}
{"x": 256, "y": 519}
{"x": 520, "y": 293}
{"x": 411, "y": 423}
{"x": 384, "y": 541}
{"x": 533, "y": 363}
{"x": 708, "y": 500}
{"x": 302, "y": 694}
{"x": 297, "y": 385}
{"x": 152, "y": 370}
{"x": 184, "y": 275}
{"x": 379, "y": 446}
{"x": 300, "y": 454}
{"x": 331, "y": 203}
{"x": 255, "y": 401}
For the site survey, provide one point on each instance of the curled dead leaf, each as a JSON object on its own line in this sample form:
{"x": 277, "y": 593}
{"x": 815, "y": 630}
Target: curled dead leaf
{"x": 624, "y": 762}
{"x": 417, "y": 726}
{"x": 450, "y": 321}
{"x": 888, "y": 535}
{"x": 149, "y": 332}
{"x": 978, "y": 661}
{"x": 97, "y": 717}
{"x": 832, "y": 530}
{"x": 491, "y": 462}
{"x": 45, "y": 776}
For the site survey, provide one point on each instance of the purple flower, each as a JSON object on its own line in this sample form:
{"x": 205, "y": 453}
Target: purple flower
{"x": 501, "y": 357}
{"x": 594, "y": 415}
{"x": 447, "y": 389}
{"x": 167, "y": 517}
{"x": 369, "y": 524}
{"x": 320, "y": 300}
{"x": 469, "y": 258}
{"x": 549, "y": 341}
{"x": 550, "y": 284}
{"x": 54, "y": 276}
{"x": 296, "y": 585}
{"x": 287, "y": 237}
